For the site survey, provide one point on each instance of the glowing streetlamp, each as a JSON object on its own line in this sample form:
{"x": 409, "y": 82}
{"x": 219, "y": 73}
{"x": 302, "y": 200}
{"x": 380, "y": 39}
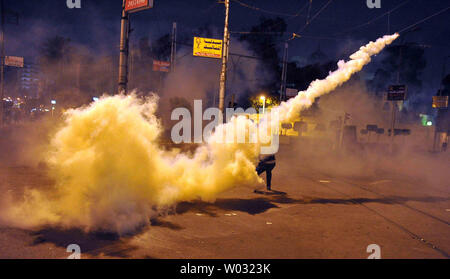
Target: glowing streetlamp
{"x": 53, "y": 102}
{"x": 263, "y": 100}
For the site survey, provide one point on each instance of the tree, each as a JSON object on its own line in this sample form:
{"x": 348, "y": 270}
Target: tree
{"x": 54, "y": 49}
{"x": 162, "y": 48}
{"x": 443, "y": 115}
{"x": 404, "y": 63}
{"x": 56, "y": 54}
{"x": 264, "y": 39}
{"x": 301, "y": 77}
{"x": 72, "y": 75}
{"x": 446, "y": 86}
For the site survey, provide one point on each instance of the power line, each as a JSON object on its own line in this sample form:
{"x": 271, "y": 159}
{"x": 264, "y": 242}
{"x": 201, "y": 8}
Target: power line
{"x": 309, "y": 11}
{"x": 423, "y": 20}
{"x": 286, "y": 20}
{"x": 294, "y": 35}
{"x": 315, "y": 16}
{"x": 255, "y": 32}
{"x": 263, "y": 10}
{"x": 214, "y": 4}
{"x": 308, "y": 4}
{"x": 322, "y": 37}
{"x": 374, "y": 19}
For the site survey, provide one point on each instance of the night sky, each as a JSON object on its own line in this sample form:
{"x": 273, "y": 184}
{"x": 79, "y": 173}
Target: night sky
{"x": 340, "y": 28}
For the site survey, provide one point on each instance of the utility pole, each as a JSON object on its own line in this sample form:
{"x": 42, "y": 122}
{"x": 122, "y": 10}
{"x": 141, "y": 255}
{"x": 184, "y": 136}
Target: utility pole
{"x": 173, "y": 53}
{"x": 284, "y": 73}
{"x": 394, "y": 103}
{"x": 343, "y": 125}
{"x": 124, "y": 42}
{"x": 2, "y": 54}
{"x": 394, "y": 109}
{"x": 393, "y": 116}
{"x": 223, "y": 74}
{"x": 128, "y": 7}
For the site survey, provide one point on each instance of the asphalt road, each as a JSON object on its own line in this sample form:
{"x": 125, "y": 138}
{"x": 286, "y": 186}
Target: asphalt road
{"x": 322, "y": 215}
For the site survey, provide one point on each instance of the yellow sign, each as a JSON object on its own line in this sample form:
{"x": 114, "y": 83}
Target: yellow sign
{"x": 207, "y": 47}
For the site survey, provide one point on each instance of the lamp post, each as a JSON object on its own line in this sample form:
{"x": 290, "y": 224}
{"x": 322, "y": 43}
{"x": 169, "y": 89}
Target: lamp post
{"x": 263, "y": 99}
{"x": 53, "y": 102}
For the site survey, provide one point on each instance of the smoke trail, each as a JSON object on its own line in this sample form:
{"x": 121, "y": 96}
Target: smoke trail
{"x": 111, "y": 174}
{"x": 289, "y": 110}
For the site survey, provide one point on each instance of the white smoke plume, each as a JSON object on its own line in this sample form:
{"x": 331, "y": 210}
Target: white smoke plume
{"x": 111, "y": 174}
{"x": 289, "y": 110}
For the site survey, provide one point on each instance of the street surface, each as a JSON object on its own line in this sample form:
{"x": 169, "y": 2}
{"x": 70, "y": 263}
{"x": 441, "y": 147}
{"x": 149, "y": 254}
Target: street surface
{"x": 322, "y": 215}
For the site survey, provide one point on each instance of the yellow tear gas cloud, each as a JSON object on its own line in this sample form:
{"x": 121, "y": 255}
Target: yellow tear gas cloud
{"x": 112, "y": 175}
{"x": 289, "y": 110}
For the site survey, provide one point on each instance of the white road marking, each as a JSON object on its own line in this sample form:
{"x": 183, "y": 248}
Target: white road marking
{"x": 380, "y": 182}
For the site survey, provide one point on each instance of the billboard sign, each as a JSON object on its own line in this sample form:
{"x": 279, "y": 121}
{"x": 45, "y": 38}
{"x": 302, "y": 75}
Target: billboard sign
{"x": 396, "y": 93}
{"x": 161, "y": 66}
{"x": 440, "y": 101}
{"x": 14, "y": 61}
{"x": 132, "y": 6}
{"x": 206, "y": 47}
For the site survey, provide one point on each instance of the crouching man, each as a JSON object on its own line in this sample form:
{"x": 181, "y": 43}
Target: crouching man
{"x": 266, "y": 164}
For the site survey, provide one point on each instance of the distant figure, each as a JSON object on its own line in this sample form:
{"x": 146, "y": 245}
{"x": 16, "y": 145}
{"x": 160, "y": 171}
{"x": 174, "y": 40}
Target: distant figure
{"x": 266, "y": 164}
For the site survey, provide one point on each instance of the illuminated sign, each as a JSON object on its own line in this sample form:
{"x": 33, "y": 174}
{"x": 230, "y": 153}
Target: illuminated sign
{"x": 206, "y": 47}
{"x": 161, "y": 66}
{"x": 132, "y": 6}
{"x": 14, "y": 61}
{"x": 396, "y": 93}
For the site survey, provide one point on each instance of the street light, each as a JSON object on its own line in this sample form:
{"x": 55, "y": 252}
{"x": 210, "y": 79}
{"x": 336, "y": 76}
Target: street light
{"x": 53, "y": 102}
{"x": 263, "y": 100}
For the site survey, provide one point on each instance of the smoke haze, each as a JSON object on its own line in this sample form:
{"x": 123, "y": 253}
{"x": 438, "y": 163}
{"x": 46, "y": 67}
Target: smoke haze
{"x": 111, "y": 174}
